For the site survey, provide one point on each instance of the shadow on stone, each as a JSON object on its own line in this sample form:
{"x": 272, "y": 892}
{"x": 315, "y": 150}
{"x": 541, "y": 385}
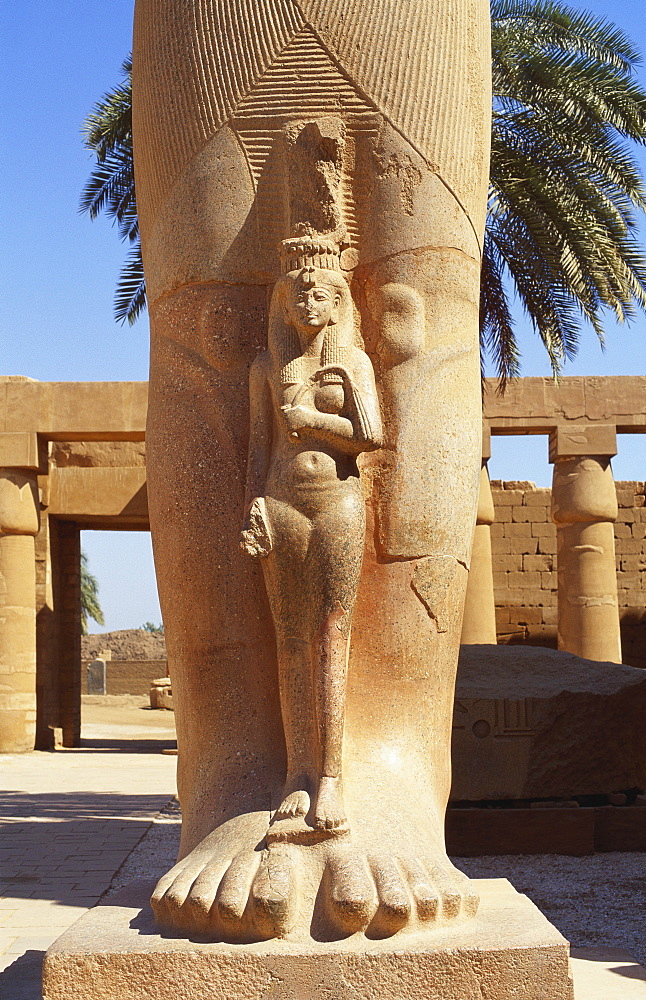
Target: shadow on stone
{"x": 22, "y": 979}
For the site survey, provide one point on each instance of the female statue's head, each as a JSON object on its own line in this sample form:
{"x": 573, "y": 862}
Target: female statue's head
{"x": 310, "y": 303}
{"x": 311, "y": 295}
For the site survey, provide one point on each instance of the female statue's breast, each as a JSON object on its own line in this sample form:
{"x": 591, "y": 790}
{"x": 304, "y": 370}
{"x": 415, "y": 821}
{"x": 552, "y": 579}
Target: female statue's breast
{"x": 329, "y": 398}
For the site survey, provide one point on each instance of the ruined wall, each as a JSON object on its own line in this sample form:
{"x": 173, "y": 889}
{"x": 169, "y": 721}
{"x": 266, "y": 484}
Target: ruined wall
{"x": 523, "y": 541}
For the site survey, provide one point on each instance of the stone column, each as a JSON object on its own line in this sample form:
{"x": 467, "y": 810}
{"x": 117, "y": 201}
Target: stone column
{"x": 479, "y": 621}
{"x": 18, "y": 526}
{"x": 584, "y": 507}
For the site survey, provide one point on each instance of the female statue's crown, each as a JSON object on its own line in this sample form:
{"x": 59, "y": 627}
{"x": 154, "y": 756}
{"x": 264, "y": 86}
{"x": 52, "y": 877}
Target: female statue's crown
{"x": 309, "y": 252}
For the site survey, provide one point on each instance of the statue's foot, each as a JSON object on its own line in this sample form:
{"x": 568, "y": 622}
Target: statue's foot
{"x": 249, "y": 897}
{"x": 380, "y": 894}
{"x": 296, "y": 799}
{"x": 329, "y": 811}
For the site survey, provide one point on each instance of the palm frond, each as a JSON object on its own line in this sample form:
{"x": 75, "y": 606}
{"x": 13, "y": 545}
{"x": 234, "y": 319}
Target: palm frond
{"x": 110, "y": 189}
{"x": 565, "y": 192}
{"x": 130, "y": 296}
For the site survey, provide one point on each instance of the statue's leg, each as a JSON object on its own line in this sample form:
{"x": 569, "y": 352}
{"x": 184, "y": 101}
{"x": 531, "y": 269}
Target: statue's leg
{"x": 289, "y": 596}
{"x": 220, "y": 641}
{"x": 334, "y": 568}
{"x": 417, "y": 282}
{"x": 208, "y": 239}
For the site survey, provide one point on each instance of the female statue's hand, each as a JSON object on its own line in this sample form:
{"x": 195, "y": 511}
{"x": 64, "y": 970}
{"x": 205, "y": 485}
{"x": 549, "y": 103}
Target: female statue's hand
{"x": 297, "y": 417}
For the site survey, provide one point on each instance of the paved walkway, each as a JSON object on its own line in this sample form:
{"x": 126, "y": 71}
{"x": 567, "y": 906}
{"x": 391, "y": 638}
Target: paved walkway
{"x": 68, "y": 821}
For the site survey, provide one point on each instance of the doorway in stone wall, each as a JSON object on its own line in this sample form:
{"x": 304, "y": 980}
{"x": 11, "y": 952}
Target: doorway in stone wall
{"x": 123, "y": 653}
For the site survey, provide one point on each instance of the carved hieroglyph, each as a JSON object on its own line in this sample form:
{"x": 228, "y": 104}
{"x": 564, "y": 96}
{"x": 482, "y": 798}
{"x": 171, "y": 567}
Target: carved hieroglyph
{"x": 313, "y": 683}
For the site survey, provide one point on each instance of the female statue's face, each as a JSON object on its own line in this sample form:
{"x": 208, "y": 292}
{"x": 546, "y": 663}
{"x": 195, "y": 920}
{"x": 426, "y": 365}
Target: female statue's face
{"x": 310, "y": 309}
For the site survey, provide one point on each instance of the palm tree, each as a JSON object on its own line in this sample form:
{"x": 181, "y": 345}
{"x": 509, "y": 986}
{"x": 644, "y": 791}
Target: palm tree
{"x": 565, "y": 189}
{"x": 90, "y": 607}
{"x": 111, "y": 188}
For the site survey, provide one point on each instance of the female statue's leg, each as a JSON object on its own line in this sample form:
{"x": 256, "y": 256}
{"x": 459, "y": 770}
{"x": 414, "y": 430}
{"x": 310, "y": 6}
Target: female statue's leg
{"x": 334, "y": 568}
{"x": 287, "y": 588}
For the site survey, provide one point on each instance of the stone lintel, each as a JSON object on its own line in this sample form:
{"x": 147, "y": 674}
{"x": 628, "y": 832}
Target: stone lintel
{"x": 75, "y": 411}
{"x": 509, "y": 950}
{"x": 486, "y": 441}
{"x": 19, "y": 450}
{"x": 570, "y": 440}
{"x": 84, "y": 492}
{"x": 538, "y": 405}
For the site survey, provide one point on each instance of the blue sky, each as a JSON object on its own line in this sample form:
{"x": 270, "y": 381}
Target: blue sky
{"x": 58, "y": 269}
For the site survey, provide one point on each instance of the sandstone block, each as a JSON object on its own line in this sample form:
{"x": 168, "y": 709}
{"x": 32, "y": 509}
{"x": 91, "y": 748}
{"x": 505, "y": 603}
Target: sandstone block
{"x": 529, "y": 616}
{"x": 507, "y": 563}
{"x": 525, "y": 580}
{"x": 541, "y": 529}
{"x": 507, "y": 498}
{"x": 540, "y": 723}
{"x": 537, "y": 563}
{"x": 528, "y": 514}
{"x": 518, "y": 530}
{"x": 508, "y": 951}
{"x": 537, "y": 498}
{"x": 628, "y": 546}
{"x": 473, "y": 832}
{"x": 516, "y": 597}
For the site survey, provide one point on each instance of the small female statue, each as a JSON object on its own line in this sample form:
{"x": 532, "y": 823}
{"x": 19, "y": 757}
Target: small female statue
{"x": 314, "y": 409}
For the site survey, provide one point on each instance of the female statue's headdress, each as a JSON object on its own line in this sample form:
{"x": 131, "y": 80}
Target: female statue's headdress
{"x": 310, "y": 260}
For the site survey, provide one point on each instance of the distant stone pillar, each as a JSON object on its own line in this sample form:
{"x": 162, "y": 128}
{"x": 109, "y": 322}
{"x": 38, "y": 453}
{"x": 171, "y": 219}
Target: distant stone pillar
{"x": 584, "y": 507}
{"x": 479, "y": 621}
{"x": 96, "y": 676}
{"x": 18, "y": 526}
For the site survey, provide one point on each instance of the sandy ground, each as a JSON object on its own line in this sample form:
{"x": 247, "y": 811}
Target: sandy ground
{"x": 123, "y": 717}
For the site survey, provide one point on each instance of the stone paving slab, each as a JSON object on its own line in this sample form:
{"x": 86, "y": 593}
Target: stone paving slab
{"x": 68, "y": 821}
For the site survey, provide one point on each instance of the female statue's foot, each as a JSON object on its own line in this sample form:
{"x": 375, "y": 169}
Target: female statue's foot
{"x": 296, "y": 798}
{"x": 329, "y": 812}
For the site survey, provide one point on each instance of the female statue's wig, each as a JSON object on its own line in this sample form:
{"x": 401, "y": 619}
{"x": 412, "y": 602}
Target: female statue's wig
{"x": 309, "y": 262}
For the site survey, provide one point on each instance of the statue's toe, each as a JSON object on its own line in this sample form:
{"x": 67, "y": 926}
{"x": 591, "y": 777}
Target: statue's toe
{"x": 274, "y": 893}
{"x": 235, "y": 886}
{"x": 351, "y": 891}
{"x": 424, "y": 894}
{"x": 455, "y": 890}
{"x": 172, "y": 890}
{"x": 394, "y": 909}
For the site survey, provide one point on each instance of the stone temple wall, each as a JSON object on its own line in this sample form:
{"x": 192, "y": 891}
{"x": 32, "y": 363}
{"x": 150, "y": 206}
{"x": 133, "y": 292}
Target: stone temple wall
{"x": 523, "y": 541}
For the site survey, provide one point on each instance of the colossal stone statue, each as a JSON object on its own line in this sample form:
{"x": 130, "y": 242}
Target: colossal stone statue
{"x": 313, "y": 684}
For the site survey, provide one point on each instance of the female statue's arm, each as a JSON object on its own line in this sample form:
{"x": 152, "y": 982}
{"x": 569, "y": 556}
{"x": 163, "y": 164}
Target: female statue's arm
{"x": 361, "y": 430}
{"x": 364, "y": 402}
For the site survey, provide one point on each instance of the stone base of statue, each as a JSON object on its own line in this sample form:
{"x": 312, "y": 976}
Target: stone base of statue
{"x": 509, "y": 950}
